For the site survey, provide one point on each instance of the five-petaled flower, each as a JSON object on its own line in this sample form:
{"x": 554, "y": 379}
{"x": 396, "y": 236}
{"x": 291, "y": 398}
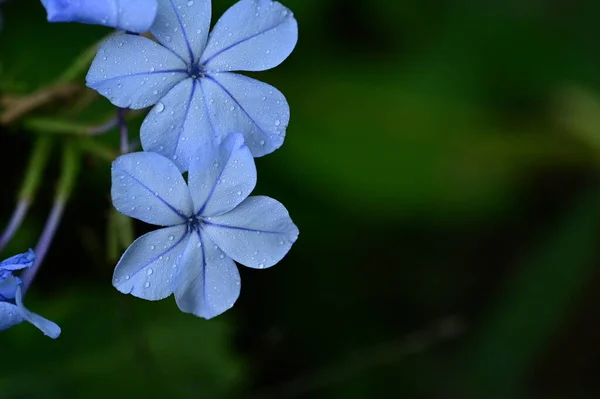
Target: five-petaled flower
{"x": 210, "y": 221}
{"x": 12, "y": 310}
{"x": 130, "y": 15}
{"x": 188, "y": 76}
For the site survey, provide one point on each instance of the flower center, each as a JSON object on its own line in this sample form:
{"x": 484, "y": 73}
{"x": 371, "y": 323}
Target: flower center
{"x": 196, "y": 71}
{"x": 194, "y": 223}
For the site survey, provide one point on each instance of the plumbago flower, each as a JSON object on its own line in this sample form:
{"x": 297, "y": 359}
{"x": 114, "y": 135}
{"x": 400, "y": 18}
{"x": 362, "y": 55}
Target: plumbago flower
{"x": 130, "y": 15}
{"x": 188, "y": 76}
{"x": 12, "y": 310}
{"x": 210, "y": 222}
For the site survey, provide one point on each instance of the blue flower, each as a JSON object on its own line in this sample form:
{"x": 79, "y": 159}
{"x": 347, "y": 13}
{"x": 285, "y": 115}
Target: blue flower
{"x": 209, "y": 222}
{"x": 12, "y": 310}
{"x": 188, "y": 76}
{"x": 131, "y": 15}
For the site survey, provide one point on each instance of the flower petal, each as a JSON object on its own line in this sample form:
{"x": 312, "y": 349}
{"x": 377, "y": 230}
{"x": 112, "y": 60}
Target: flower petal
{"x": 133, "y": 71}
{"x": 253, "y": 35}
{"x": 179, "y": 125}
{"x": 223, "y": 177}
{"x": 209, "y": 284}
{"x": 148, "y": 187}
{"x": 10, "y": 316}
{"x": 258, "y": 233}
{"x": 46, "y": 326}
{"x": 147, "y": 268}
{"x": 18, "y": 262}
{"x": 182, "y": 26}
{"x": 131, "y": 15}
{"x": 238, "y": 103}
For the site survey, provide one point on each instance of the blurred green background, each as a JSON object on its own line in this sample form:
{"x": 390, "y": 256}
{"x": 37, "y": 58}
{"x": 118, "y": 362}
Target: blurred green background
{"x": 442, "y": 166}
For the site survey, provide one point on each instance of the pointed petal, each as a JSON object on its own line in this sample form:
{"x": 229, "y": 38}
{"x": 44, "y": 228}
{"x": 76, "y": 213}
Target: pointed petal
{"x": 223, "y": 177}
{"x": 182, "y": 26}
{"x": 179, "y": 124}
{"x": 10, "y": 316}
{"x": 131, "y": 15}
{"x": 133, "y": 71}
{"x": 209, "y": 283}
{"x": 46, "y": 326}
{"x": 148, "y": 187}
{"x": 258, "y": 233}
{"x": 17, "y": 262}
{"x": 147, "y": 268}
{"x": 241, "y": 104}
{"x": 253, "y": 35}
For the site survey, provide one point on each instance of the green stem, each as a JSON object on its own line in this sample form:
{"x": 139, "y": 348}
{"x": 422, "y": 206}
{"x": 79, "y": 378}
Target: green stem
{"x": 36, "y": 167}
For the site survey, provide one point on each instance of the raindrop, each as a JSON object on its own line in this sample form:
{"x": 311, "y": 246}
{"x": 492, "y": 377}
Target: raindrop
{"x": 149, "y": 272}
{"x": 147, "y": 284}
{"x": 152, "y": 247}
{"x": 171, "y": 238}
{"x": 168, "y": 39}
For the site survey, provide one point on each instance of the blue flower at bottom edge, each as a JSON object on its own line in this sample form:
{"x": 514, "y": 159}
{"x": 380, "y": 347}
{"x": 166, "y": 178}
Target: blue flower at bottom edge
{"x": 131, "y": 15}
{"x": 12, "y": 310}
{"x": 209, "y": 222}
{"x": 189, "y": 76}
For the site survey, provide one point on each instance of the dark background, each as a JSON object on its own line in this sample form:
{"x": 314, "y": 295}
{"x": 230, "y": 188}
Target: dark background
{"x": 441, "y": 164}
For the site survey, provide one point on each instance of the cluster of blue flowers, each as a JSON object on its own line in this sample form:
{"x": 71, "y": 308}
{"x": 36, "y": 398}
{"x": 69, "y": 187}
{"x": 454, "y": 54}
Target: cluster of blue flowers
{"x": 197, "y": 169}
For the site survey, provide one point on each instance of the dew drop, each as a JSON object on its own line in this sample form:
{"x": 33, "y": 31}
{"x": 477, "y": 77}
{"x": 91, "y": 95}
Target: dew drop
{"x": 152, "y": 247}
{"x": 168, "y": 39}
{"x": 277, "y": 122}
{"x": 149, "y": 272}
{"x": 190, "y": 3}
{"x": 147, "y": 284}
{"x": 171, "y": 238}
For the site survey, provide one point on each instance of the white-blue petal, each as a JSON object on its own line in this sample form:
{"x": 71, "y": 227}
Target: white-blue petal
{"x": 253, "y": 35}
{"x": 222, "y": 177}
{"x": 238, "y": 103}
{"x": 10, "y": 315}
{"x": 258, "y": 233}
{"x": 179, "y": 124}
{"x": 149, "y": 266}
{"x": 131, "y": 15}
{"x": 209, "y": 283}
{"x": 149, "y": 187}
{"x": 46, "y": 326}
{"x": 182, "y": 26}
{"x": 133, "y": 71}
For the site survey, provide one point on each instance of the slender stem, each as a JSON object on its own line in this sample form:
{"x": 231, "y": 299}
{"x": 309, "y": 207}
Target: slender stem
{"x": 15, "y": 222}
{"x": 32, "y": 178}
{"x": 41, "y": 249}
{"x": 124, "y": 131}
{"x": 70, "y": 167}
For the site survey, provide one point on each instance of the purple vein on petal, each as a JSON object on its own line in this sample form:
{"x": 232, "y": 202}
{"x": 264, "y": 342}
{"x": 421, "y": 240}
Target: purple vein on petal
{"x": 241, "y": 228}
{"x": 139, "y": 74}
{"x": 185, "y": 115}
{"x": 210, "y": 121}
{"x": 209, "y": 59}
{"x": 183, "y": 31}
{"x": 171, "y": 207}
{"x": 238, "y": 104}
{"x": 203, "y": 269}
{"x": 177, "y": 243}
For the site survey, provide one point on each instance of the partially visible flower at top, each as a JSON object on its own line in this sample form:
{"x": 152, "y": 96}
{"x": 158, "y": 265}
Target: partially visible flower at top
{"x": 12, "y": 310}
{"x": 209, "y": 221}
{"x": 188, "y": 76}
{"x": 130, "y": 15}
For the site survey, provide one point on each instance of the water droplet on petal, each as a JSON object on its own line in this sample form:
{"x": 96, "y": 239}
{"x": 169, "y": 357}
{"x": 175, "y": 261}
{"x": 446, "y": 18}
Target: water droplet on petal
{"x": 147, "y": 284}
{"x": 149, "y": 272}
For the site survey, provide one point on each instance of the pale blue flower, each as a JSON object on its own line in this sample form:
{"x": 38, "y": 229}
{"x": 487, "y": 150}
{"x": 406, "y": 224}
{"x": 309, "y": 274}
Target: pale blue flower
{"x": 188, "y": 76}
{"x": 130, "y": 15}
{"x": 209, "y": 222}
{"x": 12, "y": 310}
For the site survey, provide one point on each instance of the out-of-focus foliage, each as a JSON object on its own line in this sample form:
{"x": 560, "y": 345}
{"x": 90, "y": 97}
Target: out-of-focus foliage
{"x": 441, "y": 164}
